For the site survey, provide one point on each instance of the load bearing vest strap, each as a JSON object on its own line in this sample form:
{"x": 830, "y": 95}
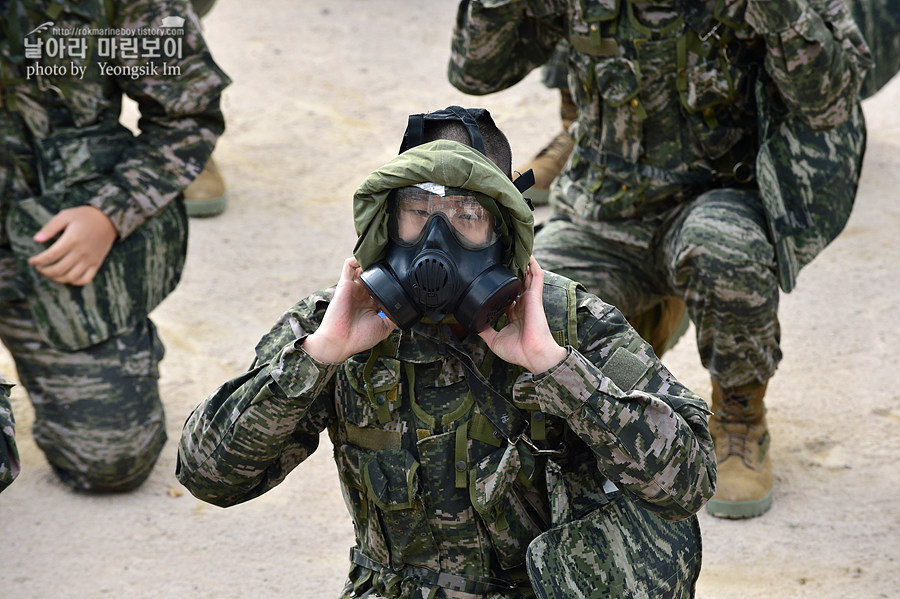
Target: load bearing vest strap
{"x": 454, "y": 582}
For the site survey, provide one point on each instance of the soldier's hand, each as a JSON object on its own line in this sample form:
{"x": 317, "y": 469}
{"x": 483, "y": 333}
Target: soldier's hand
{"x": 352, "y": 322}
{"x": 527, "y": 340}
{"x": 85, "y": 237}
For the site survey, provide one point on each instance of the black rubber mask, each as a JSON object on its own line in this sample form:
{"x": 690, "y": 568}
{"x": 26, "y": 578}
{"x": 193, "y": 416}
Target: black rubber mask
{"x": 439, "y": 263}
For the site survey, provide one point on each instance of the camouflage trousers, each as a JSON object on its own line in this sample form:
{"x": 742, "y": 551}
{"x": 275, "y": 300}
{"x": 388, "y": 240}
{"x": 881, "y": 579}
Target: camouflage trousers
{"x": 98, "y": 415}
{"x": 712, "y": 252}
{"x": 9, "y": 455}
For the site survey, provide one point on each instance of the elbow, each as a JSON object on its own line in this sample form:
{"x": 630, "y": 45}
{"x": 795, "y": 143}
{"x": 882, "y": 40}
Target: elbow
{"x": 466, "y": 83}
{"x": 697, "y": 494}
{"x": 218, "y": 501}
{"x": 838, "y": 113}
{"x": 704, "y": 489}
{"x": 210, "y": 494}
{"x": 202, "y": 488}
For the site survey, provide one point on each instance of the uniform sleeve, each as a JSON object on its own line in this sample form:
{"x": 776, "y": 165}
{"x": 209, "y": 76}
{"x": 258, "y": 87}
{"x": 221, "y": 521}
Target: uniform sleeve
{"x": 248, "y": 435}
{"x": 9, "y": 455}
{"x": 649, "y": 432}
{"x": 816, "y": 55}
{"x": 178, "y": 96}
{"x": 496, "y": 43}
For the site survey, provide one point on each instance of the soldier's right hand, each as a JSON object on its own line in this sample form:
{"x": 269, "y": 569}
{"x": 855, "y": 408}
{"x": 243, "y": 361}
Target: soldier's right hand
{"x": 352, "y": 323}
{"x": 86, "y": 236}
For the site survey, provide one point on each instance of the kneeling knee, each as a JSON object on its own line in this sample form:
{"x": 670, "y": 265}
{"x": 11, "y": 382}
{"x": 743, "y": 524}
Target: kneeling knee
{"x": 111, "y": 467}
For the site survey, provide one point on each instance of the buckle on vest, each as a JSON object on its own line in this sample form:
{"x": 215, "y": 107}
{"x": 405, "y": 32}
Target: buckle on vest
{"x": 535, "y": 450}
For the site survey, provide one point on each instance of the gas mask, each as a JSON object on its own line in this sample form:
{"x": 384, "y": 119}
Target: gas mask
{"x": 444, "y": 258}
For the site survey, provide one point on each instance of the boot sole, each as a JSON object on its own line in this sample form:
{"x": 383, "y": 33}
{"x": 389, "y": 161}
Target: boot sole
{"x": 739, "y": 510}
{"x": 206, "y": 207}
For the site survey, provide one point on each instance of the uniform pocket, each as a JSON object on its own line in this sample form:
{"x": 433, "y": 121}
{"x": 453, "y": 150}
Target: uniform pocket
{"x": 707, "y": 82}
{"x": 512, "y": 513}
{"x": 708, "y": 85}
{"x": 622, "y": 551}
{"x": 372, "y": 392}
{"x": 622, "y": 114}
{"x": 351, "y": 462}
{"x": 391, "y": 479}
{"x": 75, "y": 156}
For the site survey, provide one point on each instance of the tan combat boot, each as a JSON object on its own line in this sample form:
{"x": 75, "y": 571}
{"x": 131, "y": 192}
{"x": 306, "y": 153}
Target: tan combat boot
{"x": 549, "y": 162}
{"x": 738, "y": 427}
{"x": 206, "y": 195}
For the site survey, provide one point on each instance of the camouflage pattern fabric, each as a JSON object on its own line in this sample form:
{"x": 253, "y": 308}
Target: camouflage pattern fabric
{"x": 88, "y": 356}
{"x": 9, "y": 454}
{"x": 879, "y": 21}
{"x": 555, "y": 72}
{"x": 97, "y": 413}
{"x": 809, "y": 180}
{"x": 601, "y": 557}
{"x": 668, "y": 112}
{"x": 689, "y": 252}
{"x": 144, "y": 268}
{"x": 442, "y": 504}
{"x": 202, "y": 7}
{"x": 180, "y": 112}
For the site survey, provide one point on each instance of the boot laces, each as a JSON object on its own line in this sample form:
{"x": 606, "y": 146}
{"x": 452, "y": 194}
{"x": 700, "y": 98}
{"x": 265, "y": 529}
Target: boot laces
{"x": 736, "y": 416}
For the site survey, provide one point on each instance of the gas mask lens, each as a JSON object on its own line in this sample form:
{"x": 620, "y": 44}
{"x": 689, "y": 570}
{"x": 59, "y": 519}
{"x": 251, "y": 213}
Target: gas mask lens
{"x": 413, "y": 207}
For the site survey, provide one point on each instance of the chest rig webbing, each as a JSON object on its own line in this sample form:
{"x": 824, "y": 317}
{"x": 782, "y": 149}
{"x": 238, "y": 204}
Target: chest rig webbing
{"x": 703, "y": 33}
{"x": 512, "y": 440}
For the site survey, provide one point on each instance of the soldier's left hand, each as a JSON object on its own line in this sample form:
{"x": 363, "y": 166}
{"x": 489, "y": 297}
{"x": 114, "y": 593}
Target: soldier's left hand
{"x": 526, "y": 340}
{"x": 85, "y": 237}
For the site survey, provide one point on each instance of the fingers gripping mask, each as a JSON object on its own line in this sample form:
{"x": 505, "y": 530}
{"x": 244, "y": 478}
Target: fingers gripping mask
{"x": 444, "y": 257}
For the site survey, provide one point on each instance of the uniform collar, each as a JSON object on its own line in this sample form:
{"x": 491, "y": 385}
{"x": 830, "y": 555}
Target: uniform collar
{"x": 424, "y": 343}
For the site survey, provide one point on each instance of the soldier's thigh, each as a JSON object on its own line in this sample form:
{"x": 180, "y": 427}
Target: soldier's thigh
{"x": 720, "y": 239}
{"x": 98, "y": 415}
{"x": 614, "y": 263}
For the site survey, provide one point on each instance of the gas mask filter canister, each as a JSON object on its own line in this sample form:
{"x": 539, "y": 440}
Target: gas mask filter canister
{"x": 444, "y": 258}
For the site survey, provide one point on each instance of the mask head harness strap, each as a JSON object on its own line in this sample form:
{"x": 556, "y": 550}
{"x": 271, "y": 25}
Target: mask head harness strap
{"x": 415, "y": 135}
{"x": 415, "y": 129}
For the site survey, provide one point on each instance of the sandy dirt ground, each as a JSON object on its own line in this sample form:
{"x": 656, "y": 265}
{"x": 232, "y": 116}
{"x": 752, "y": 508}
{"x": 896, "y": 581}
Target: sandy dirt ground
{"x": 320, "y": 98}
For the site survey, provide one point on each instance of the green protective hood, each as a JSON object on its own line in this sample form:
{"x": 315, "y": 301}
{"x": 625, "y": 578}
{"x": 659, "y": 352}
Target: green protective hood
{"x": 452, "y": 164}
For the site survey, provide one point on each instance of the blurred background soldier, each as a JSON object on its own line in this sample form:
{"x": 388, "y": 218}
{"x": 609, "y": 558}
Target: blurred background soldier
{"x": 693, "y": 126}
{"x": 663, "y": 324}
{"x": 93, "y": 231}
{"x": 879, "y": 21}
{"x": 551, "y": 159}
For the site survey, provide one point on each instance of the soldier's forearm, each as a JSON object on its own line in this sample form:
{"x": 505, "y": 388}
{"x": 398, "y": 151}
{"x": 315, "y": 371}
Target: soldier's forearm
{"x": 246, "y": 437}
{"x": 495, "y": 47}
{"x": 157, "y": 166}
{"x": 818, "y": 71}
{"x": 644, "y": 444}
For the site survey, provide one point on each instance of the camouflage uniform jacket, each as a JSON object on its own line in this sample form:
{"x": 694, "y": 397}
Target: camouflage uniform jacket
{"x": 437, "y": 495}
{"x": 60, "y": 132}
{"x": 665, "y": 88}
{"x": 9, "y": 455}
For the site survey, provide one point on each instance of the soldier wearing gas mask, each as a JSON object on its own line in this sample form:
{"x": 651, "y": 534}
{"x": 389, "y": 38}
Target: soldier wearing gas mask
{"x": 496, "y": 429}
{"x": 444, "y": 258}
